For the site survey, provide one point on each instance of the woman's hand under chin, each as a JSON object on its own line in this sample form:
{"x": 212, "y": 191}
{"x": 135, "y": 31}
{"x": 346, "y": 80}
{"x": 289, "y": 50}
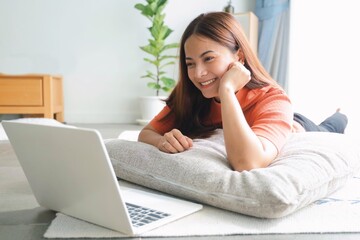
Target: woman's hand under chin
{"x": 235, "y": 78}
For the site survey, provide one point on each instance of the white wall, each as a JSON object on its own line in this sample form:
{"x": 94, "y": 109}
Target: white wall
{"x": 94, "y": 44}
{"x": 324, "y": 59}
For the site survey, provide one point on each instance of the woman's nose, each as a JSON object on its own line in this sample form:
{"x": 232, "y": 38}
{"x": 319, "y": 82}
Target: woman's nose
{"x": 200, "y": 71}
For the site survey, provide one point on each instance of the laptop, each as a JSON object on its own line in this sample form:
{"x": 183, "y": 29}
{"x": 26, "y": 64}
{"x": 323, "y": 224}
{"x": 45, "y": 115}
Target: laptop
{"x": 69, "y": 171}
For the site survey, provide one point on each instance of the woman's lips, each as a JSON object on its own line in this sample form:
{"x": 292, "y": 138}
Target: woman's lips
{"x": 207, "y": 82}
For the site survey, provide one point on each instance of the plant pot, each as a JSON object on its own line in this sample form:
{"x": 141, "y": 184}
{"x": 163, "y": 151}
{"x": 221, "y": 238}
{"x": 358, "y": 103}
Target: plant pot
{"x": 150, "y": 106}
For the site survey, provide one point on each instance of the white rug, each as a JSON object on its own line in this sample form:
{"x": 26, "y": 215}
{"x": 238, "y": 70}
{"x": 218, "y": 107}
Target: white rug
{"x": 339, "y": 213}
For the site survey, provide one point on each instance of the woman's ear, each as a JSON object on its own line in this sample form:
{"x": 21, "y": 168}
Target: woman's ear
{"x": 241, "y": 56}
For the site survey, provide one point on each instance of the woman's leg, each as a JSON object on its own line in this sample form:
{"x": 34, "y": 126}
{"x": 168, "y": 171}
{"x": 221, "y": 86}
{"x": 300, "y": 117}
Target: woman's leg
{"x": 307, "y": 124}
{"x": 335, "y": 123}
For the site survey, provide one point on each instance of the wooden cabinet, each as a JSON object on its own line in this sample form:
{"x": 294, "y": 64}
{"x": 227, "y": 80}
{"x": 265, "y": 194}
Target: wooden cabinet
{"x": 250, "y": 25}
{"x": 32, "y": 95}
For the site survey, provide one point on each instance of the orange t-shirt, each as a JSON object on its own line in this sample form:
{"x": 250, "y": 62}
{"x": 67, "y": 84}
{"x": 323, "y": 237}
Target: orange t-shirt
{"x": 267, "y": 110}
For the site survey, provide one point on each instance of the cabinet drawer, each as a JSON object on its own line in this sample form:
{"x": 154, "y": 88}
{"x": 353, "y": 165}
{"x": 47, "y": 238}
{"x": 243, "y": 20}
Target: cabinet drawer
{"x": 21, "y": 92}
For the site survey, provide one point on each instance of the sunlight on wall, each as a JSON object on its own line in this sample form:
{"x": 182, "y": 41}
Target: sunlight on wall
{"x": 324, "y": 51}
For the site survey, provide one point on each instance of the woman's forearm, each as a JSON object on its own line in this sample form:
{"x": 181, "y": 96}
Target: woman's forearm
{"x": 149, "y": 136}
{"x": 245, "y": 150}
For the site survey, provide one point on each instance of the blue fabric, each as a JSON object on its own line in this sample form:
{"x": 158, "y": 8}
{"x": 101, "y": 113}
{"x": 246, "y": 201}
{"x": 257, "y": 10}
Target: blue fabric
{"x": 267, "y": 9}
{"x": 273, "y": 42}
{"x": 335, "y": 123}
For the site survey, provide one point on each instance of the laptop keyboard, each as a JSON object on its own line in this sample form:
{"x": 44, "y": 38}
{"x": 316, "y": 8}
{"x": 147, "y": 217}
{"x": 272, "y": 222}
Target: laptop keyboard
{"x": 141, "y": 215}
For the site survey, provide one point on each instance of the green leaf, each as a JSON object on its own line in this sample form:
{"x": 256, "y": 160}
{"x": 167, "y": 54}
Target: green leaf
{"x": 150, "y": 73}
{"x": 166, "y": 89}
{"x": 153, "y": 7}
{"x": 154, "y": 85}
{"x": 161, "y": 73}
{"x": 155, "y": 32}
{"x": 171, "y": 45}
{"x": 167, "y": 57}
{"x": 154, "y": 62}
{"x": 158, "y": 19}
{"x": 167, "y": 32}
{"x": 145, "y": 10}
{"x": 161, "y": 5}
{"x": 157, "y": 44}
{"x": 151, "y": 50}
{"x": 161, "y": 32}
{"x": 148, "y": 76}
{"x": 168, "y": 82}
{"x": 140, "y": 6}
{"x": 153, "y": 43}
{"x": 167, "y": 64}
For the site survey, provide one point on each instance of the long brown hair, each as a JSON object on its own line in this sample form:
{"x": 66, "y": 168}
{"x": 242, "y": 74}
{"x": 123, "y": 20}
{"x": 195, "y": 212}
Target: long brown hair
{"x": 186, "y": 102}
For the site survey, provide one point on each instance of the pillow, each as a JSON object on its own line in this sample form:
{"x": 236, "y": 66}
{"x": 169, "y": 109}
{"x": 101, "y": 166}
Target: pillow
{"x": 310, "y": 166}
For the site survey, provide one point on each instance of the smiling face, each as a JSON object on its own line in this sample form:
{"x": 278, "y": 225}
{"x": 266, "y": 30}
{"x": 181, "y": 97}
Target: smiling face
{"x": 206, "y": 62}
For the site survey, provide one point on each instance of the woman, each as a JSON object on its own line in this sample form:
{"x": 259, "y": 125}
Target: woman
{"x": 222, "y": 84}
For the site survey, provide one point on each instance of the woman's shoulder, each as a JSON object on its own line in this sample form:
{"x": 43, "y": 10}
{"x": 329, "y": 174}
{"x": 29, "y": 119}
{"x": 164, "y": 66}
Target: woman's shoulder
{"x": 271, "y": 89}
{"x": 249, "y": 96}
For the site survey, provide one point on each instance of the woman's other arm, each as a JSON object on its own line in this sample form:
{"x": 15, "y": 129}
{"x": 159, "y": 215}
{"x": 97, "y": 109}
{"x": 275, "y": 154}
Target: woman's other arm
{"x": 171, "y": 142}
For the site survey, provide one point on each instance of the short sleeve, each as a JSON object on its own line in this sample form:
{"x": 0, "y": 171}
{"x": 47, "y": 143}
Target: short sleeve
{"x": 163, "y": 125}
{"x": 273, "y": 117}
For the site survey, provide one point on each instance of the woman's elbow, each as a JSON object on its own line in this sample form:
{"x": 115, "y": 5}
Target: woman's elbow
{"x": 247, "y": 165}
{"x": 141, "y": 136}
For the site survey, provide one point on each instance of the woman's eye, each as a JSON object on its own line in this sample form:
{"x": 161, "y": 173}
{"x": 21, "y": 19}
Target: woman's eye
{"x": 207, "y": 59}
{"x": 188, "y": 64}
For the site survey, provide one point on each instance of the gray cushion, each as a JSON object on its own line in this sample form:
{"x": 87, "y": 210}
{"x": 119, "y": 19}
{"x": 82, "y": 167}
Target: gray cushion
{"x": 309, "y": 167}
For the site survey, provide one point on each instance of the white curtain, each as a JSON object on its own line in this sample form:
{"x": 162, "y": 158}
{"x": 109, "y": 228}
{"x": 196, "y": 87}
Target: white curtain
{"x": 273, "y": 46}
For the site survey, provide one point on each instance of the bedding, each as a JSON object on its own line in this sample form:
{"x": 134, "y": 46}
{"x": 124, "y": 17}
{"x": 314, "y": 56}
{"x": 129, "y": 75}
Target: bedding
{"x": 310, "y": 166}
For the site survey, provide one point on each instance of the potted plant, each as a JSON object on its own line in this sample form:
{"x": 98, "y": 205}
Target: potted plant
{"x": 157, "y": 49}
